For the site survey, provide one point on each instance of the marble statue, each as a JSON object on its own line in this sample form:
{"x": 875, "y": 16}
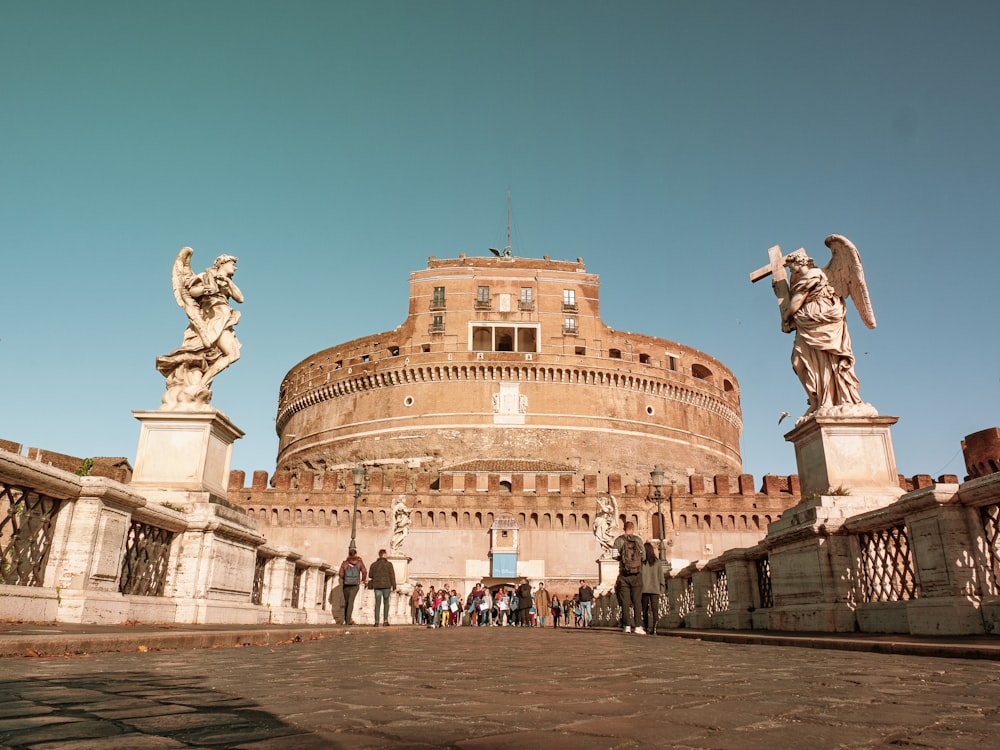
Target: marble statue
{"x": 400, "y": 522}
{"x": 209, "y": 345}
{"x": 606, "y": 523}
{"x": 812, "y": 305}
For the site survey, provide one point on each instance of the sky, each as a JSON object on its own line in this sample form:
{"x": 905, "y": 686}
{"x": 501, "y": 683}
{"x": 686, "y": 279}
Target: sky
{"x": 334, "y": 146}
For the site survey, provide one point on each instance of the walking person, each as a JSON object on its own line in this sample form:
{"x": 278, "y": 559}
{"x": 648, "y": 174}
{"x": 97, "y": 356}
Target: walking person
{"x": 586, "y": 598}
{"x": 524, "y": 603}
{"x": 556, "y": 611}
{"x": 543, "y": 602}
{"x": 352, "y": 574}
{"x": 652, "y": 587}
{"x": 630, "y": 554}
{"x": 383, "y": 581}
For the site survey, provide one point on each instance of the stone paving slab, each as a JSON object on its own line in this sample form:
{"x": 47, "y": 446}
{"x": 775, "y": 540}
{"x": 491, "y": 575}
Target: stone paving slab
{"x": 487, "y": 688}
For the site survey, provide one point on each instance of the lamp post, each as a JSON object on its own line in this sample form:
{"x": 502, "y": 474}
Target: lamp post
{"x": 358, "y": 472}
{"x": 656, "y": 479}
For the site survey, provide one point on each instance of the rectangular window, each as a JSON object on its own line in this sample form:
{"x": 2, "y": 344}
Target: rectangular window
{"x": 569, "y": 326}
{"x": 527, "y": 298}
{"x": 437, "y": 324}
{"x": 437, "y": 301}
{"x": 483, "y": 298}
{"x": 486, "y": 337}
{"x": 569, "y": 300}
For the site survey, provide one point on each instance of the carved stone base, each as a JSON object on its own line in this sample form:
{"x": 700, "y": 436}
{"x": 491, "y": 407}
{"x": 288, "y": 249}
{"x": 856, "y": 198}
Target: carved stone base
{"x": 607, "y": 574}
{"x": 849, "y": 452}
{"x": 187, "y": 451}
{"x": 401, "y": 565}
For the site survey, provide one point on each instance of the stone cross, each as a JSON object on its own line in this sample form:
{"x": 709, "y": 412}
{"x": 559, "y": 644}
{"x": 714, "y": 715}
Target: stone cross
{"x": 776, "y": 270}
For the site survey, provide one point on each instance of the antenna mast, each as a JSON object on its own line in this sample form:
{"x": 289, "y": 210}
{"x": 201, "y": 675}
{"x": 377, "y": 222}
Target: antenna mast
{"x": 507, "y": 249}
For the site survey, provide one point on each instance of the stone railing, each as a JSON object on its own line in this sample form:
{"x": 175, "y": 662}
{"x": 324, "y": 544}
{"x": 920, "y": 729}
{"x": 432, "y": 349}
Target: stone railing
{"x": 91, "y": 550}
{"x": 927, "y": 563}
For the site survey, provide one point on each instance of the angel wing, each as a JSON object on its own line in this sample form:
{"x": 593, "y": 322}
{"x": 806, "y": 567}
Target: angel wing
{"x": 848, "y": 277}
{"x": 180, "y": 277}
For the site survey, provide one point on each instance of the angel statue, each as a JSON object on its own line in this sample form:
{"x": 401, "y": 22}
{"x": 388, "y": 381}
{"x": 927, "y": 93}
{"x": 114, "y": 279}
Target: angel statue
{"x": 400, "y": 522}
{"x": 812, "y": 305}
{"x": 209, "y": 345}
{"x": 606, "y": 523}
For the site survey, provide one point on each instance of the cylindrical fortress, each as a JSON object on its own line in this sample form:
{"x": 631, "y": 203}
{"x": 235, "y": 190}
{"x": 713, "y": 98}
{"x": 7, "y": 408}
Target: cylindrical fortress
{"x": 506, "y": 359}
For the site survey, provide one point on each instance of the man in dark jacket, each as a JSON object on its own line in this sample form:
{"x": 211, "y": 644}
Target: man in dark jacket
{"x": 383, "y": 580}
{"x": 352, "y": 575}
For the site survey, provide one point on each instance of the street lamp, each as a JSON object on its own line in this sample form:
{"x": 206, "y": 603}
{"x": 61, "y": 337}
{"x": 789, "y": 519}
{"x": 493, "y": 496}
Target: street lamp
{"x": 358, "y": 472}
{"x": 656, "y": 479}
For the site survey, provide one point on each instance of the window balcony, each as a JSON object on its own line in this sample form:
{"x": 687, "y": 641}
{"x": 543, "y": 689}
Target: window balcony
{"x": 569, "y": 307}
{"x": 526, "y": 305}
{"x": 569, "y": 330}
{"x": 435, "y": 328}
{"x": 437, "y": 304}
{"x": 483, "y": 304}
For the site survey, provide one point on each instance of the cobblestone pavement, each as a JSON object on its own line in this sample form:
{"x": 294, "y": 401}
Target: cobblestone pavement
{"x": 407, "y": 687}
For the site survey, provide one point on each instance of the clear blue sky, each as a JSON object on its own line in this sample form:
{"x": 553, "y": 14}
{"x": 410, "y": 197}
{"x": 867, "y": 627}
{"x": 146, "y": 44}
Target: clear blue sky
{"x": 334, "y": 146}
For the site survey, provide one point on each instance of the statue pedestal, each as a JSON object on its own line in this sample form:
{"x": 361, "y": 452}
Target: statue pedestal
{"x": 184, "y": 451}
{"x": 183, "y": 461}
{"x": 846, "y": 467}
{"x": 853, "y": 453}
{"x": 607, "y": 574}
{"x": 401, "y": 565}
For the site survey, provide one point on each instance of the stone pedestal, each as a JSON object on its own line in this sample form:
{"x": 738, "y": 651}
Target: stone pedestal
{"x": 401, "y": 566}
{"x": 184, "y": 451}
{"x": 850, "y": 453}
{"x": 607, "y": 574}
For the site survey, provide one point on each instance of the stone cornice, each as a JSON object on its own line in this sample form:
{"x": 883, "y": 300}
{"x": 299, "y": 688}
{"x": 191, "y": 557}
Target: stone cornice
{"x": 672, "y": 388}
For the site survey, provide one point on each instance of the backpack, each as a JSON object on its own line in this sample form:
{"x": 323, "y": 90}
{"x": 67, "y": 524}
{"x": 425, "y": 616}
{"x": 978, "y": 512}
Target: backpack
{"x": 352, "y": 575}
{"x": 632, "y": 555}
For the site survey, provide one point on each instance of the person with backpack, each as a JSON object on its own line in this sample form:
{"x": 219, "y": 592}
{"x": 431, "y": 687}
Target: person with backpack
{"x": 352, "y": 575}
{"x": 628, "y": 548}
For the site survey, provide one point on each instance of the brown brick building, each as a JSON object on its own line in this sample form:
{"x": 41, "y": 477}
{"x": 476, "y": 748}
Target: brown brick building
{"x": 504, "y": 394}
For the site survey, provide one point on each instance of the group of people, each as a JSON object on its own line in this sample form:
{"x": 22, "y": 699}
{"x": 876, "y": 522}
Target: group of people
{"x": 515, "y": 606}
{"x": 638, "y": 588}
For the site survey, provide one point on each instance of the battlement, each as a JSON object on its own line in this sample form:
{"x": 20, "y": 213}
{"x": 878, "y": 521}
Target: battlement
{"x": 389, "y": 480}
{"x": 117, "y": 468}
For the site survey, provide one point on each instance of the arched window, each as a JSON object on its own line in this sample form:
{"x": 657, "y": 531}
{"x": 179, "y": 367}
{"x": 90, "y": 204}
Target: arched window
{"x": 657, "y": 526}
{"x": 534, "y": 520}
{"x": 701, "y": 372}
{"x": 505, "y": 487}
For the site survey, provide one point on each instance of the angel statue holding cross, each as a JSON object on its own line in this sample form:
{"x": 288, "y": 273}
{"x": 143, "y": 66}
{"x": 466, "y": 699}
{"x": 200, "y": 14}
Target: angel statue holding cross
{"x": 812, "y": 305}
